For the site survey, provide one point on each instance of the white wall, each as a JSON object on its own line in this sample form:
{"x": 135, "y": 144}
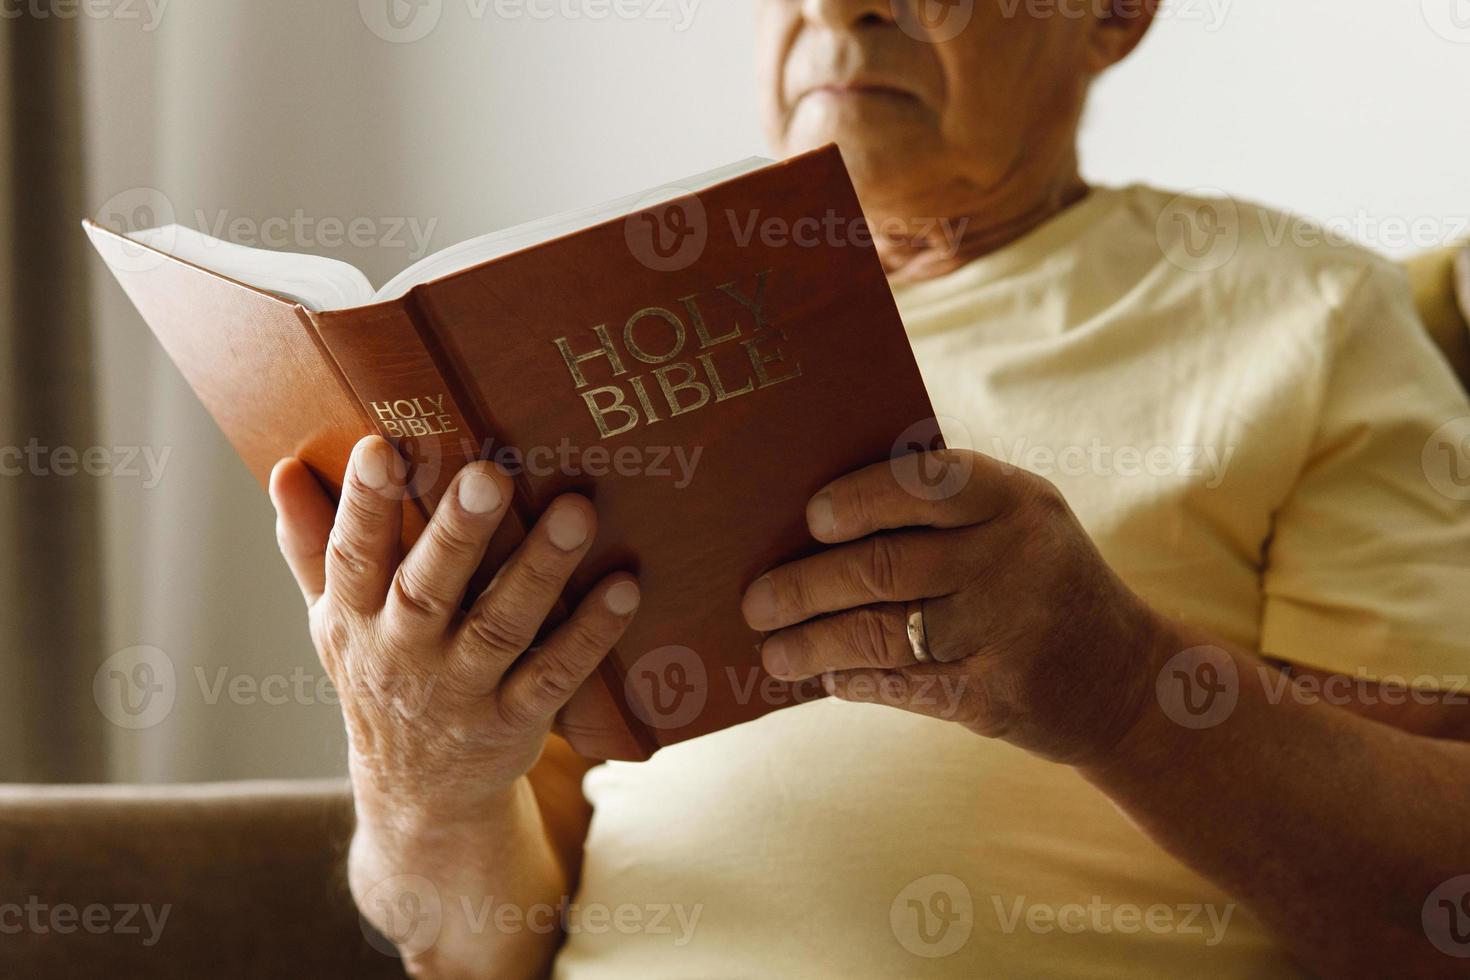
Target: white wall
{"x": 1354, "y": 111}
{"x": 264, "y": 108}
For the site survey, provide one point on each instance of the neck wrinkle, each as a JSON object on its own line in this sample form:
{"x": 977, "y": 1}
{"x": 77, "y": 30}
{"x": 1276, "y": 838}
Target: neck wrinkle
{"x": 937, "y": 251}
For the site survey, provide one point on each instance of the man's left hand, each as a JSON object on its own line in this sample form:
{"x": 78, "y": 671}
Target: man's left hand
{"x": 1033, "y": 638}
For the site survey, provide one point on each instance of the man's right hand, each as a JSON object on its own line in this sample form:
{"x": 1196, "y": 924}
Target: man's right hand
{"x": 446, "y": 710}
{"x": 443, "y": 708}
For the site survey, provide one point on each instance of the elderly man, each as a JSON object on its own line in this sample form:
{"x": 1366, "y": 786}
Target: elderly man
{"x": 1143, "y": 772}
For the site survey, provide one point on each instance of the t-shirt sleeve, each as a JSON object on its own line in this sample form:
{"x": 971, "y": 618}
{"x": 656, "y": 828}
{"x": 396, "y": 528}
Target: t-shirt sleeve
{"x": 1368, "y": 565}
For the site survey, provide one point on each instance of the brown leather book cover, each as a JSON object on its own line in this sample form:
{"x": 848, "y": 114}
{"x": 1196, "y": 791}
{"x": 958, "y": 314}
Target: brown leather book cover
{"x": 698, "y": 370}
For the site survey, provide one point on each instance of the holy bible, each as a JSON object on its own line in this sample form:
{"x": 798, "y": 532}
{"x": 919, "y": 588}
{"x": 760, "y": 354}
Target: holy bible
{"x": 698, "y": 362}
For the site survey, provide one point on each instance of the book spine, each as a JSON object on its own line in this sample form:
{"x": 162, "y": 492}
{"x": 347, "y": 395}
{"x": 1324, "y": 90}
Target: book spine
{"x": 401, "y": 393}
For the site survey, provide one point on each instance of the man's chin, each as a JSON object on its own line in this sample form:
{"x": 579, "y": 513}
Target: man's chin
{"x": 881, "y": 166}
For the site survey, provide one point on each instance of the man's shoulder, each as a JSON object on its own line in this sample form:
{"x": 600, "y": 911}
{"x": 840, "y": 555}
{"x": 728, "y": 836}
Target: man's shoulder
{"x": 1248, "y": 244}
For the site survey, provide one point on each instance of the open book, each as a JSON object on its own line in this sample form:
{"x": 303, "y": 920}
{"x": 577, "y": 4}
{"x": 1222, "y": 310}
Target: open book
{"x": 321, "y": 284}
{"x": 699, "y": 360}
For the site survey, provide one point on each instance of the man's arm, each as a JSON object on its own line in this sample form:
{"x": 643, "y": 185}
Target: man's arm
{"x": 469, "y": 816}
{"x": 1332, "y": 827}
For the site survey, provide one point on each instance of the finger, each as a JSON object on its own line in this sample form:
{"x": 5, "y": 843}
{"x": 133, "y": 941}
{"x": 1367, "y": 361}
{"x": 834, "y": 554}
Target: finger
{"x": 873, "y": 636}
{"x": 508, "y": 615}
{"x": 882, "y": 568}
{"x": 546, "y": 678}
{"x": 364, "y": 539}
{"x": 949, "y": 488}
{"x": 303, "y": 523}
{"x": 936, "y": 690}
{"x": 430, "y": 583}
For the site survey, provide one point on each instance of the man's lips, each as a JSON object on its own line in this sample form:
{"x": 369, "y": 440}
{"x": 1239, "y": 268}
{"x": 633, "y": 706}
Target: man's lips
{"x": 860, "y": 90}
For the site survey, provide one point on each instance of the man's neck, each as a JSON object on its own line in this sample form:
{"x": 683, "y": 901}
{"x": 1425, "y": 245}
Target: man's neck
{"x": 936, "y": 248}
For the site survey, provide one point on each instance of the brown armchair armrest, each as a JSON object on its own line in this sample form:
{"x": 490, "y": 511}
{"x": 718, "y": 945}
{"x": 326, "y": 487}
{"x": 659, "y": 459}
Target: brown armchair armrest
{"x": 241, "y": 879}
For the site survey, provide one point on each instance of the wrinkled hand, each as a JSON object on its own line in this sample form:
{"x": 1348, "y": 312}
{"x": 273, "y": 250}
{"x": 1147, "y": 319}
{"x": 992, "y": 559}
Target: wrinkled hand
{"x": 443, "y": 708}
{"x": 1034, "y": 639}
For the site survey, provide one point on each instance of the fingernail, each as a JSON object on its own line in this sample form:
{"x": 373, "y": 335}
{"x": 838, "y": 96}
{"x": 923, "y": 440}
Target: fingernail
{"x": 478, "y": 493}
{"x": 760, "y": 603}
{"x": 622, "y": 598}
{"x": 773, "y": 652}
{"x": 567, "y": 527}
{"x": 819, "y": 515}
{"x": 371, "y": 464}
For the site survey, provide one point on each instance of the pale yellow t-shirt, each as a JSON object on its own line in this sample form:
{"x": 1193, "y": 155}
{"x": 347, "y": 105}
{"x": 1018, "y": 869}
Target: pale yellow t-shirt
{"x": 1245, "y": 427}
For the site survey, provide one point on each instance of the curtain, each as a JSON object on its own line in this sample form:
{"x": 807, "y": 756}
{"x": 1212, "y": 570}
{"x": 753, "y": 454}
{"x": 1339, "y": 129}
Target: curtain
{"x": 50, "y": 575}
